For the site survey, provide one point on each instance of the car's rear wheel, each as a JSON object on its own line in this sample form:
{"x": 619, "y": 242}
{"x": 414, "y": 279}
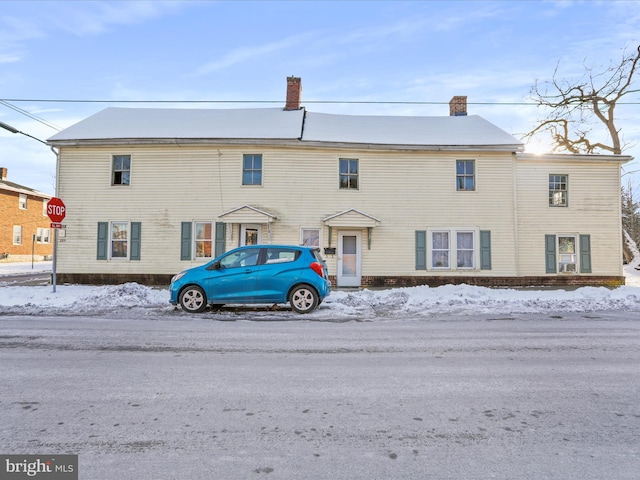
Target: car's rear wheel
{"x": 193, "y": 299}
{"x": 303, "y": 299}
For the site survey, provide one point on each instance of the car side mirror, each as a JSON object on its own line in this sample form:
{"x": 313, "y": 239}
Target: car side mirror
{"x": 215, "y": 266}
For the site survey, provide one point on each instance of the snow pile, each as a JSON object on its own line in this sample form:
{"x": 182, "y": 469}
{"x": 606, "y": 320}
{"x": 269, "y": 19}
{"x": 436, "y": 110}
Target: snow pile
{"x": 414, "y": 302}
{"x": 468, "y": 300}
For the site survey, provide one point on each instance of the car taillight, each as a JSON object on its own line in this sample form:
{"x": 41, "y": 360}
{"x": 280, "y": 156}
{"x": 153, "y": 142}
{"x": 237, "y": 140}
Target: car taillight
{"x": 317, "y": 267}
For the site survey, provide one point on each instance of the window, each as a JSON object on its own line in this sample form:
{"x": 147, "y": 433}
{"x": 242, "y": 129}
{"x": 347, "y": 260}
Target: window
{"x": 567, "y": 254}
{"x": 453, "y": 249}
{"x": 348, "y": 174}
{"x": 310, "y": 237}
{"x": 17, "y": 234}
{"x": 121, "y": 170}
{"x": 440, "y": 249}
{"x": 243, "y": 258}
{"x": 558, "y": 190}
{"x": 252, "y": 170}
{"x": 119, "y": 239}
{"x": 464, "y": 249}
{"x": 43, "y": 235}
{"x": 22, "y": 202}
{"x": 465, "y": 175}
{"x": 203, "y": 239}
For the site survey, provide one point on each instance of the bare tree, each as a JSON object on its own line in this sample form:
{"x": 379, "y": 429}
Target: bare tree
{"x": 576, "y": 106}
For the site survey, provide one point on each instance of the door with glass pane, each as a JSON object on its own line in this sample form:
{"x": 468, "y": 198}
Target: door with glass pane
{"x": 250, "y": 235}
{"x": 349, "y": 259}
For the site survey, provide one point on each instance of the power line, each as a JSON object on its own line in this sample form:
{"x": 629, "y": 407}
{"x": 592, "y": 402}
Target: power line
{"x": 346, "y": 102}
{"x": 29, "y": 114}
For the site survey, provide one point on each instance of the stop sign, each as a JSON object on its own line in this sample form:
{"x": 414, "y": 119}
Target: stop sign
{"x": 56, "y": 210}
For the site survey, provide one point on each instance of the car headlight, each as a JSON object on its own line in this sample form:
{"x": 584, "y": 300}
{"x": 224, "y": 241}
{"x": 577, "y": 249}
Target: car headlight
{"x": 177, "y": 277}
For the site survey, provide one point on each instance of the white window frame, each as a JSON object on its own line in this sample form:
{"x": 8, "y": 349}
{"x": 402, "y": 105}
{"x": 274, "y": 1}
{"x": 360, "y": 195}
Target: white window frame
{"x": 122, "y": 171}
{"x": 564, "y": 193}
{"x": 211, "y": 241}
{"x": 567, "y": 262}
{"x": 17, "y": 234}
{"x": 112, "y": 240}
{"x": 431, "y": 249}
{"x": 453, "y": 248}
{"x": 22, "y": 201}
{"x": 43, "y": 235}
{"x": 465, "y": 175}
{"x": 44, "y": 207}
{"x": 304, "y": 238}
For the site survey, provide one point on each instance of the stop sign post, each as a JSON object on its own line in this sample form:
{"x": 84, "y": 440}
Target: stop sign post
{"x": 56, "y": 211}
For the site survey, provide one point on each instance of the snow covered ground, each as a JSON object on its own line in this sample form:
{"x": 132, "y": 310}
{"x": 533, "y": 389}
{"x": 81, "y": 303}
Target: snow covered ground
{"x": 340, "y": 305}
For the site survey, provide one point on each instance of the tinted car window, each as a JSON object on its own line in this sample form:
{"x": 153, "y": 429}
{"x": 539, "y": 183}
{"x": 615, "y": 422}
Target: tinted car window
{"x": 243, "y": 258}
{"x": 281, "y": 255}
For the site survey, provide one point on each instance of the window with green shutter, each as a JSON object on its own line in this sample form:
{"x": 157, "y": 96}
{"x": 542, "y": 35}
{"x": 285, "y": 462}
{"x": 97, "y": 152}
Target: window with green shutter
{"x": 485, "y": 250}
{"x": 185, "y": 241}
{"x": 421, "y": 250}
{"x": 585, "y": 253}
{"x": 103, "y": 240}
{"x": 550, "y": 253}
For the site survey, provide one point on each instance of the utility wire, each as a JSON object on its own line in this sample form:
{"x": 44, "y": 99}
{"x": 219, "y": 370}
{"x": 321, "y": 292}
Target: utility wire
{"x": 346, "y": 102}
{"x": 29, "y": 114}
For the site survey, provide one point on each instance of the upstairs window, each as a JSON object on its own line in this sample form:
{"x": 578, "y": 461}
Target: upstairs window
{"x": 121, "y": 170}
{"x": 465, "y": 175}
{"x": 558, "y": 190}
{"x": 22, "y": 202}
{"x": 348, "y": 174}
{"x": 252, "y": 170}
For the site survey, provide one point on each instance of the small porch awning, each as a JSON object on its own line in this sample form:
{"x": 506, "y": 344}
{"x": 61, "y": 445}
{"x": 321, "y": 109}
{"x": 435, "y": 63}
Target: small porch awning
{"x": 351, "y": 218}
{"x": 248, "y": 214}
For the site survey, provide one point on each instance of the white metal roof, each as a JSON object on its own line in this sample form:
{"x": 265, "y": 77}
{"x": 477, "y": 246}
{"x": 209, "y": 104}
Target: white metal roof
{"x": 396, "y": 130}
{"x": 266, "y": 124}
{"x": 166, "y": 123}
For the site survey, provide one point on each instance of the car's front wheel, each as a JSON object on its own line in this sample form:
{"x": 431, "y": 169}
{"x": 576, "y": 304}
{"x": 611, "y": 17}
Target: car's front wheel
{"x": 193, "y": 299}
{"x": 303, "y": 299}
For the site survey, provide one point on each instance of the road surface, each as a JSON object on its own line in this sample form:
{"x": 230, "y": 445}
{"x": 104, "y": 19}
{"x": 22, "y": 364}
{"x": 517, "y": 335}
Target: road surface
{"x": 189, "y": 397}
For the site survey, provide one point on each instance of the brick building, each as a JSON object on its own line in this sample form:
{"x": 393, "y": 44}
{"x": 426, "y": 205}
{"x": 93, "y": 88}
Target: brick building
{"x": 25, "y": 231}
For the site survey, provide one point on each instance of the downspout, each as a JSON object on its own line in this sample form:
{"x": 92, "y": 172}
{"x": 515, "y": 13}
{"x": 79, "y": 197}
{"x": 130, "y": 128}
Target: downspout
{"x": 516, "y": 241}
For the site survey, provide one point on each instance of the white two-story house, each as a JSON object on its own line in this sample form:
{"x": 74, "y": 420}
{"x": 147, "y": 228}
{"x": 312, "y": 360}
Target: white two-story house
{"x": 389, "y": 200}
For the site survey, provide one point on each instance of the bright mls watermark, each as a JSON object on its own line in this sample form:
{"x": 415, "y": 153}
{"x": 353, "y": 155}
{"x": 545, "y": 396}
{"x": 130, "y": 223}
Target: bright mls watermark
{"x": 46, "y": 467}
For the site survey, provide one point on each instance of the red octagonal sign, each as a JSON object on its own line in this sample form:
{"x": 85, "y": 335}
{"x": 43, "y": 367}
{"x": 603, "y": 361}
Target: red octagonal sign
{"x": 56, "y": 210}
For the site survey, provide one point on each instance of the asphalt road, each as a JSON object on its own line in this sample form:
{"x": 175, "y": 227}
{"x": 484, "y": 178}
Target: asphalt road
{"x": 189, "y": 397}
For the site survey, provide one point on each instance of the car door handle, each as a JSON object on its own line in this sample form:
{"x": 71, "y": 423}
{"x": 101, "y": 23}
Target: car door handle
{"x": 248, "y": 271}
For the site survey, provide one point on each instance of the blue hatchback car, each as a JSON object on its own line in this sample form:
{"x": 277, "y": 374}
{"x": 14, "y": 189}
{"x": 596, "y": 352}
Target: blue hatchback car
{"x": 255, "y": 274}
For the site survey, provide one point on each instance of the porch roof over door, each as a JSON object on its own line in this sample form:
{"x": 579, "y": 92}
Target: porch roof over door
{"x": 351, "y": 218}
{"x": 248, "y": 214}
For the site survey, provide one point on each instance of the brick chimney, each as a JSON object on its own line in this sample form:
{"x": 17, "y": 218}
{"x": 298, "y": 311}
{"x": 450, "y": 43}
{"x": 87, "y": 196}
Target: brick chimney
{"x": 458, "y": 106}
{"x": 294, "y": 90}
{"x": 3, "y": 173}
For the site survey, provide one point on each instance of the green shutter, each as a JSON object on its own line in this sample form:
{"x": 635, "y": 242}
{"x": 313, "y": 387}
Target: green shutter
{"x": 185, "y": 241}
{"x": 103, "y": 240}
{"x": 221, "y": 238}
{"x": 135, "y": 240}
{"x": 550, "y": 253}
{"x": 585, "y": 253}
{"x": 485, "y": 250}
{"x": 421, "y": 250}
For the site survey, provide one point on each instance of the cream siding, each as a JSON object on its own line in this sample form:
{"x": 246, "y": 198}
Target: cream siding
{"x": 593, "y": 209}
{"x": 405, "y": 190}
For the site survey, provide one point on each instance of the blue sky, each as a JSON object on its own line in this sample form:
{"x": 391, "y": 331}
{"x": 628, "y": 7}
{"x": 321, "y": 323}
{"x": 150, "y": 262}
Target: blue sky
{"x": 417, "y": 51}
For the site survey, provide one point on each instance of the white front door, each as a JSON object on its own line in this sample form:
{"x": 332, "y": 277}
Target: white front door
{"x": 349, "y": 259}
{"x": 250, "y": 234}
